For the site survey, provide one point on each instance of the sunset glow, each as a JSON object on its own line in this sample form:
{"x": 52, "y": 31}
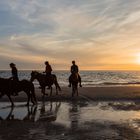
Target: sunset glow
{"x": 138, "y": 58}
{"x": 99, "y": 35}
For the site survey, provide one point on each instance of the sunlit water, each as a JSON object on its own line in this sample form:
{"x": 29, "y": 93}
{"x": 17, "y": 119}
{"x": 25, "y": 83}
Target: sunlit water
{"x": 89, "y": 78}
{"x": 75, "y": 120}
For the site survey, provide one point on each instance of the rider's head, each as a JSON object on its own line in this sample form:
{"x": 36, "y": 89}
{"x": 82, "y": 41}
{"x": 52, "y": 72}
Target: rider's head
{"x": 73, "y": 62}
{"x": 12, "y": 65}
{"x": 46, "y": 62}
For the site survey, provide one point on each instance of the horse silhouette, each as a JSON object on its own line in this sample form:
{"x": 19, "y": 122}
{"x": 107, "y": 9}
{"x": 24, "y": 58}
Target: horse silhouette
{"x": 74, "y": 81}
{"x": 8, "y": 87}
{"x": 45, "y": 81}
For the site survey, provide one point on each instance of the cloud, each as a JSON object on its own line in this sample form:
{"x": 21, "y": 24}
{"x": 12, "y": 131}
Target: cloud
{"x": 92, "y": 32}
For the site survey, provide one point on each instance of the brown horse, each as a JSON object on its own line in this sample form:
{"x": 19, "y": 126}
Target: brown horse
{"x": 45, "y": 81}
{"x": 74, "y": 81}
{"x": 7, "y": 87}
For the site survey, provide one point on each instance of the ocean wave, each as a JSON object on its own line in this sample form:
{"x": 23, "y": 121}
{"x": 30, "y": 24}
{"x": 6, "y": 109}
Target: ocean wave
{"x": 89, "y": 78}
{"x": 111, "y": 83}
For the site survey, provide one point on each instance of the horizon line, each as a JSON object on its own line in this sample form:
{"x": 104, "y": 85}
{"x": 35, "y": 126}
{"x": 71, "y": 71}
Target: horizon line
{"x": 69, "y": 70}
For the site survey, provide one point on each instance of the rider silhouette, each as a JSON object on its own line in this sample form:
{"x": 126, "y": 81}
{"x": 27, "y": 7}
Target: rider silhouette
{"x": 48, "y": 70}
{"x": 74, "y": 69}
{"x": 14, "y": 78}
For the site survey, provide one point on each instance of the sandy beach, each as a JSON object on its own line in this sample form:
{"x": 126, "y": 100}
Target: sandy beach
{"x": 94, "y": 93}
{"x": 99, "y": 113}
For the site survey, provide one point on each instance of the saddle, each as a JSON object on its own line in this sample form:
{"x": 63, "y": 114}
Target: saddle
{"x": 74, "y": 77}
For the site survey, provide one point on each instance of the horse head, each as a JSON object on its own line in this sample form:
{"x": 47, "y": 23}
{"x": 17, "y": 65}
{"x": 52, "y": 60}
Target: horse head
{"x": 34, "y": 75}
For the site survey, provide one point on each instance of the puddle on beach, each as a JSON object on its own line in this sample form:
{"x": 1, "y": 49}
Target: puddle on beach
{"x": 75, "y": 120}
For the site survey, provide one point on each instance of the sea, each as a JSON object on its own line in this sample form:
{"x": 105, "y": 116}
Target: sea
{"x": 89, "y": 78}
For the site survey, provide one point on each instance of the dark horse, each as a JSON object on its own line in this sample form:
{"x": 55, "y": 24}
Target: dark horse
{"x": 8, "y": 87}
{"x": 74, "y": 81}
{"x": 45, "y": 81}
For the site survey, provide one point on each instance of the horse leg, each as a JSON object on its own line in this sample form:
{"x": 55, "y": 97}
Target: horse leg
{"x": 33, "y": 96}
{"x": 29, "y": 96}
{"x": 51, "y": 91}
{"x": 12, "y": 104}
{"x": 73, "y": 90}
{"x": 56, "y": 87}
{"x": 56, "y": 84}
{"x": 76, "y": 89}
{"x": 56, "y": 90}
{"x": 43, "y": 91}
{"x": 32, "y": 99}
{"x": 10, "y": 113}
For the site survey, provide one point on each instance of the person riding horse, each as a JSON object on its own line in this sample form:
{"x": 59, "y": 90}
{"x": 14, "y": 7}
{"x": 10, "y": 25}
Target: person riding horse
{"x": 74, "y": 70}
{"x": 14, "y": 78}
{"x": 14, "y": 72}
{"x": 48, "y": 70}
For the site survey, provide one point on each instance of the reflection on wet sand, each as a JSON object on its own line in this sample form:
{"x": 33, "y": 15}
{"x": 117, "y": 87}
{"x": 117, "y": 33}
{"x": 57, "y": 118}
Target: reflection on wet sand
{"x": 74, "y": 116}
{"x": 9, "y": 117}
{"x": 46, "y": 113}
{"x": 75, "y": 120}
{"x": 50, "y": 114}
{"x": 31, "y": 113}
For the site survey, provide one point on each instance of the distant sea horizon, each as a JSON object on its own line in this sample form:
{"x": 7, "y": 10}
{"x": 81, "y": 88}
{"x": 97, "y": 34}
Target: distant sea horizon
{"x": 69, "y": 70}
{"x": 90, "y": 78}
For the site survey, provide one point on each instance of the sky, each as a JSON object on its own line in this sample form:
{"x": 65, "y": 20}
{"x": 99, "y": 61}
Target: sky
{"x": 97, "y": 34}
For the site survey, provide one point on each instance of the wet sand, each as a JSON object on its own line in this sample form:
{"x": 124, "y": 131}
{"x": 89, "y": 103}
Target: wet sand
{"x": 73, "y": 120}
{"x": 112, "y": 93}
{"x": 99, "y": 113}
{"x": 94, "y": 93}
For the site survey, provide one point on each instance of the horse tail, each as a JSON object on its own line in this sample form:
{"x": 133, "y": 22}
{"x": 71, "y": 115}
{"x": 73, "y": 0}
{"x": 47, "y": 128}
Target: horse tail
{"x": 33, "y": 92}
{"x": 56, "y": 82}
